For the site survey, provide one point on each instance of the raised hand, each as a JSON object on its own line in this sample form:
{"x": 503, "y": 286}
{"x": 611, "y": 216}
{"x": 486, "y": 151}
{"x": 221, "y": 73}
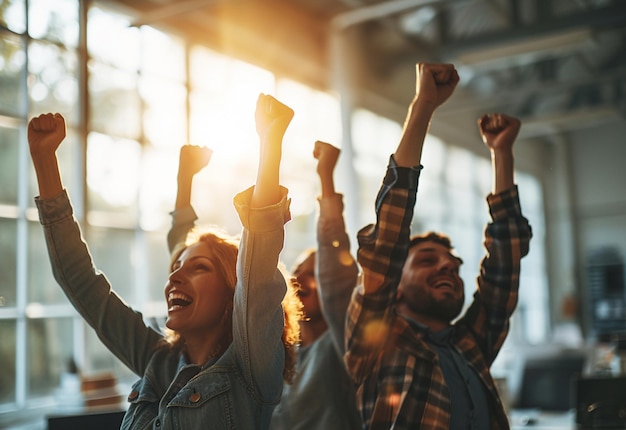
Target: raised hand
{"x": 435, "y": 83}
{"x": 45, "y": 133}
{"x": 326, "y": 156}
{"x": 193, "y": 159}
{"x": 272, "y": 117}
{"x": 498, "y": 130}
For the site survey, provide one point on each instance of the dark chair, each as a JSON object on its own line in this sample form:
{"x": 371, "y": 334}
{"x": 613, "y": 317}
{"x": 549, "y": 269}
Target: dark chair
{"x": 601, "y": 402}
{"x": 548, "y": 382}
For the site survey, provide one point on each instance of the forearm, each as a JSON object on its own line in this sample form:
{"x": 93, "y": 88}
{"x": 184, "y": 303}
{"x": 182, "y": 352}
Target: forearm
{"x": 383, "y": 247}
{"x": 267, "y": 189}
{"x": 327, "y": 183}
{"x": 183, "y": 194}
{"x": 336, "y": 268}
{"x": 409, "y": 151}
{"x": 503, "y": 168}
{"x": 183, "y": 221}
{"x": 48, "y": 175}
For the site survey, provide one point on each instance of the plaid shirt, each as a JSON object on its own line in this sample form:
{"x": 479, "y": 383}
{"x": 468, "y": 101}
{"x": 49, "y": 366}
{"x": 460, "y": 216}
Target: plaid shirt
{"x": 400, "y": 382}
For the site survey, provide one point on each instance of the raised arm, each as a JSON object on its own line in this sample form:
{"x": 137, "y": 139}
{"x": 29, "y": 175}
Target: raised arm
{"x": 506, "y": 240}
{"x": 380, "y": 245}
{"x": 45, "y": 134}
{"x": 192, "y": 159}
{"x": 258, "y": 317}
{"x": 435, "y": 83}
{"x": 336, "y": 268}
{"x": 499, "y": 132}
{"x": 272, "y": 118}
{"x": 383, "y": 246}
{"x": 120, "y": 328}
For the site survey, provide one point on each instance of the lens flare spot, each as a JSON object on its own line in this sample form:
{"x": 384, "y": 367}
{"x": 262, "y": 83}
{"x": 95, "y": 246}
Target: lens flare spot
{"x": 375, "y": 332}
{"x": 345, "y": 258}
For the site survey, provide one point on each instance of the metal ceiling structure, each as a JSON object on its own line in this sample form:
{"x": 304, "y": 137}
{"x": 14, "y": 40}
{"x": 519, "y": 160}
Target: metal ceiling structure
{"x": 557, "y": 64}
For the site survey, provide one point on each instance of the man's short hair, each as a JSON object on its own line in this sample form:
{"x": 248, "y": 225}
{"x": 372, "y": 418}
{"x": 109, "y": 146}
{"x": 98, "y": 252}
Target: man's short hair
{"x": 433, "y": 236}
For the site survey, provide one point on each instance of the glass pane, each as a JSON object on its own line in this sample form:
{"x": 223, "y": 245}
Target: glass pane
{"x": 112, "y": 180}
{"x": 162, "y": 54}
{"x": 218, "y": 122}
{"x": 374, "y": 139}
{"x": 12, "y": 63}
{"x": 48, "y": 351}
{"x": 531, "y": 193}
{"x": 53, "y": 86}
{"x": 208, "y": 69}
{"x": 462, "y": 204}
{"x": 113, "y": 100}
{"x": 9, "y": 141}
{"x": 484, "y": 176}
{"x": 215, "y": 187}
{"x": 55, "y": 20}
{"x": 114, "y": 253}
{"x": 158, "y": 187}
{"x": 100, "y": 359}
{"x": 7, "y": 358}
{"x": 12, "y": 14}
{"x": 460, "y": 168}
{"x": 434, "y": 155}
{"x": 431, "y": 201}
{"x": 110, "y": 39}
{"x": 8, "y": 262}
{"x": 42, "y": 287}
{"x": 158, "y": 263}
{"x": 317, "y": 115}
{"x": 165, "y": 117}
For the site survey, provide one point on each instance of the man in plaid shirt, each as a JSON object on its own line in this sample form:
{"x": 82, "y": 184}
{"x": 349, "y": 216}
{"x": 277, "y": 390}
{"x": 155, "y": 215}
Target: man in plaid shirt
{"x": 413, "y": 367}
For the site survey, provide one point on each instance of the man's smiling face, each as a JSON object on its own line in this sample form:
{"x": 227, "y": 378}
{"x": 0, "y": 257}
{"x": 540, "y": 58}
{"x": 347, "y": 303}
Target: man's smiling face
{"x": 430, "y": 284}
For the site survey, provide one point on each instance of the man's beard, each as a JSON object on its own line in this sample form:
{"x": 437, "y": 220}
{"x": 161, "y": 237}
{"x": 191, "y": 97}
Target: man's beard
{"x": 443, "y": 310}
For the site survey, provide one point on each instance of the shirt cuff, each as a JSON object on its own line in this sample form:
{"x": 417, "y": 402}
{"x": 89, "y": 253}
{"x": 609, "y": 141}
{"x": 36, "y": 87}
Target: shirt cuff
{"x": 505, "y": 204}
{"x": 186, "y": 215}
{"x": 264, "y": 219}
{"x": 401, "y": 177}
{"x": 55, "y": 209}
{"x": 331, "y": 207}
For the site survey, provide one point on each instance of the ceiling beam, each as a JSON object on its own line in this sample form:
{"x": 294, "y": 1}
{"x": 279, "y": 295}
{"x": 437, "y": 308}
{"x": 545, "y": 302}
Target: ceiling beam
{"x": 599, "y": 19}
{"x": 379, "y": 11}
{"x": 156, "y": 15}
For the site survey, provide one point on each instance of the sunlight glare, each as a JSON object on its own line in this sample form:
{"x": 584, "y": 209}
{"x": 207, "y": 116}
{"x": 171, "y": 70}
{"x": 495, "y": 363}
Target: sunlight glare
{"x": 112, "y": 170}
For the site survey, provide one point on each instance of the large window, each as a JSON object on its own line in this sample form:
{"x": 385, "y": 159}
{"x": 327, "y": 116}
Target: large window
{"x": 148, "y": 93}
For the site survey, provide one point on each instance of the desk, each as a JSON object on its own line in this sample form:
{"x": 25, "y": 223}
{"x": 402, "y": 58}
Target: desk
{"x": 534, "y": 419}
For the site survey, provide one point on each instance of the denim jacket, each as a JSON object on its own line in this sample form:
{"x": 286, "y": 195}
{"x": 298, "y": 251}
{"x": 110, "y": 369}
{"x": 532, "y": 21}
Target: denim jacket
{"x": 237, "y": 390}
